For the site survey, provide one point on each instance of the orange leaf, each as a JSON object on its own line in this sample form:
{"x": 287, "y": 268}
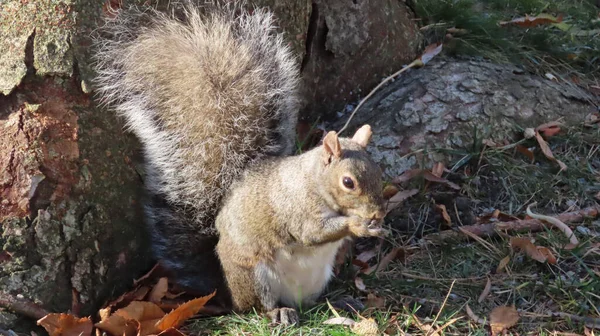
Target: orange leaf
{"x": 547, "y": 152}
{"x": 537, "y": 253}
{"x": 525, "y": 151}
{"x": 374, "y": 301}
{"x": 389, "y": 191}
{"x": 141, "y": 312}
{"x": 66, "y": 325}
{"x": 532, "y": 21}
{"x": 502, "y": 318}
{"x": 444, "y": 212}
{"x": 430, "y": 52}
{"x": 176, "y": 317}
{"x": 159, "y": 290}
{"x": 502, "y": 265}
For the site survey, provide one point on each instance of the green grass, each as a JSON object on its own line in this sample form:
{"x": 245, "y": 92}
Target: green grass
{"x": 416, "y": 286}
{"x": 571, "y": 48}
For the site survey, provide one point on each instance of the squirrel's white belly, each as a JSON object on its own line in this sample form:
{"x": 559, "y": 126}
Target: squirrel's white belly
{"x": 301, "y": 273}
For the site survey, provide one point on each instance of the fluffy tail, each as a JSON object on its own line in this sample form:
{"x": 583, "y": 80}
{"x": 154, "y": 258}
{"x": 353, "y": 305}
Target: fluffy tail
{"x": 207, "y": 91}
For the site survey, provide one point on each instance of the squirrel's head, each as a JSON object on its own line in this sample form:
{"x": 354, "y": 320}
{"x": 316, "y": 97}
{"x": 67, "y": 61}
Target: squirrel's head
{"x": 352, "y": 178}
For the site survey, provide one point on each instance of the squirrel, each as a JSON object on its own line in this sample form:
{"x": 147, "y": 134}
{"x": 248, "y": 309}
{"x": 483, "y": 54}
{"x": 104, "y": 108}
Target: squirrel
{"x": 212, "y": 94}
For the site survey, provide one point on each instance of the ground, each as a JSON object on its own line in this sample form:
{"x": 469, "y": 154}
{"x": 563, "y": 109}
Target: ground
{"x": 428, "y": 286}
{"x": 431, "y": 284}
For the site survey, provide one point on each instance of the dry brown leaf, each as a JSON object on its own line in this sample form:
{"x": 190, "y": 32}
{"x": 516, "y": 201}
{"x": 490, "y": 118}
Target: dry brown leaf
{"x": 427, "y": 175}
{"x": 396, "y": 200}
{"x": 365, "y": 256}
{"x": 389, "y": 191}
{"x": 171, "y": 332}
{"x": 176, "y": 317}
{"x": 137, "y": 294}
{"x": 547, "y": 152}
{"x": 374, "y": 301}
{"x": 438, "y": 169}
{"x": 538, "y": 253}
{"x": 525, "y": 151}
{"x": 366, "y": 327}
{"x": 502, "y": 265}
{"x": 430, "y": 52}
{"x": 490, "y": 143}
{"x": 444, "y": 213}
{"x": 486, "y": 291}
{"x": 66, "y": 325}
{"x": 396, "y": 252}
{"x": 159, "y": 290}
{"x": 145, "y": 314}
{"x": 156, "y": 269}
{"x": 591, "y": 119}
{"x": 532, "y": 21}
{"x": 502, "y": 318}
{"x": 114, "y": 325}
{"x": 360, "y": 284}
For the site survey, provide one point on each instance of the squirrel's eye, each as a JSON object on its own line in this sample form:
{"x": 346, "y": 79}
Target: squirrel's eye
{"x": 348, "y": 183}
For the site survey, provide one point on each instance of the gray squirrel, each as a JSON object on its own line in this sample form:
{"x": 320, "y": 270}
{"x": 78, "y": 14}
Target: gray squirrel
{"x": 212, "y": 93}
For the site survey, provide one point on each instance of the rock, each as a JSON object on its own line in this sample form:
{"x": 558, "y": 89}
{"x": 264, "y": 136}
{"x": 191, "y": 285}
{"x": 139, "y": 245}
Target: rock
{"x": 441, "y": 104}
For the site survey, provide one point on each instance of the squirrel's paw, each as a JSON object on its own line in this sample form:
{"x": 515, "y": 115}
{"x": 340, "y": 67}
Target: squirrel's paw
{"x": 366, "y": 228}
{"x": 285, "y": 316}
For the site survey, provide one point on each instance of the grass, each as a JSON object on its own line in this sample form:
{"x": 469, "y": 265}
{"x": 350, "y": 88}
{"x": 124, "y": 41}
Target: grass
{"x": 431, "y": 284}
{"x": 570, "y": 49}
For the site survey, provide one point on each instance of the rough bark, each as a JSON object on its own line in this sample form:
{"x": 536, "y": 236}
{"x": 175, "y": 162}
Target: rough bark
{"x": 71, "y": 231}
{"x": 442, "y": 104}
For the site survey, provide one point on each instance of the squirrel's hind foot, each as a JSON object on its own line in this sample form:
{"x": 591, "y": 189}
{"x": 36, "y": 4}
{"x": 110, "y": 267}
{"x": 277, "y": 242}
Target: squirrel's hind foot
{"x": 284, "y": 316}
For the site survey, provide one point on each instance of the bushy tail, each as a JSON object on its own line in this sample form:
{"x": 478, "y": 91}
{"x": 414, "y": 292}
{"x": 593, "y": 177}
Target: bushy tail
{"x": 207, "y": 90}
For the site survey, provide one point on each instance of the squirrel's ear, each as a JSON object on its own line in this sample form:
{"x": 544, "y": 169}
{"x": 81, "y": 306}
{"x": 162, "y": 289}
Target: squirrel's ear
{"x": 363, "y": 136}
{"x": 331, "y": 147}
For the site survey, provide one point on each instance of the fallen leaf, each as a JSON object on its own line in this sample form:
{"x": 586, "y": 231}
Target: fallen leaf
{"x": 430, "y": 52}
{"x": 366, "y": 327}
{"x": 171, "y": 332}
{"x": 137, "y": 294}
{"x": 502, "y": 318}
{"x": 396, "y": 252}
{"x": 360, "y": 284}
{"x": 340, "y": 321}
{"x": 547, "y": 152}
{"x": 444, "y": 213}
{"x": 365, "y": 256}
{"x": 486, "y": 291}
{"x": 438, "y": 169}
{"x": 374, "y": 301}
{"x": 142, "y": 312}
{"x": 490, "y": 143}
{"x": 532, "y": 21}
{"x": 550, "y": 129}
{"x": 159, "y": 290}
{"x": 525, "y": 151}
{"x": 537, "y": 253}
{"x": 550, "y": 76}
{"x": 457, "y": 31}
{"x": 389, "y": 191}
{"x": 399, "y": 198}
{"x": 502, "y": 265}
{"x": 66, "y": 325}
{"x": 176, "y": 317}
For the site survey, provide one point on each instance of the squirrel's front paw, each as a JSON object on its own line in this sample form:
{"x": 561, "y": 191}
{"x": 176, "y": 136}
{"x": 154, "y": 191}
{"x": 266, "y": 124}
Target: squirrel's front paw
{"x": 285, "y": 316}
{"x": 361, "y": 227}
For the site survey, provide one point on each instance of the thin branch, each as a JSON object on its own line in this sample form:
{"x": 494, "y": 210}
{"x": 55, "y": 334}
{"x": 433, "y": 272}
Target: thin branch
{"x": 22, "y": 306}
{"x": 491, "y": 229}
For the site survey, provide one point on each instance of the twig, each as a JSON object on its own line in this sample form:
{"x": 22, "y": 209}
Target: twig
{"x": 387, "y": 79}
{"x": 22, "y": 306}
{"x": 590, "y": 322}
{"x": 557, "y": 223}
{"x": 443, "y": 304}
{"x": 491, "y": 229}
